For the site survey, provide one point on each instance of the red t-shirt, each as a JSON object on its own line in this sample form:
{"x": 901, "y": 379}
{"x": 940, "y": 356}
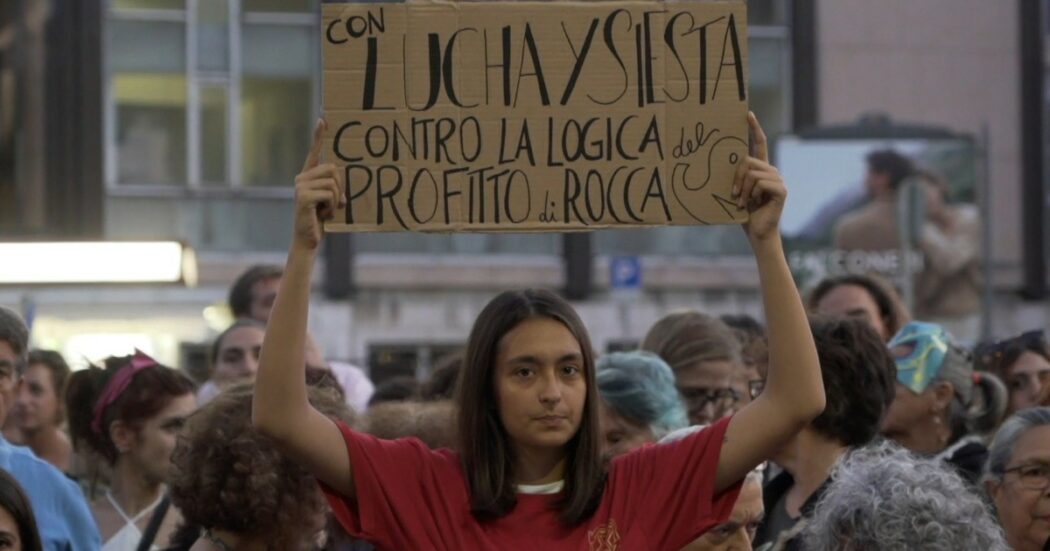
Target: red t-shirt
{"x": 410, "y": 497}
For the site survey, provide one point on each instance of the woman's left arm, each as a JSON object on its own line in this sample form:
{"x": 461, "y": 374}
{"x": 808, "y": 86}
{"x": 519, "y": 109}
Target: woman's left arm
{"x": 794, "y": 391}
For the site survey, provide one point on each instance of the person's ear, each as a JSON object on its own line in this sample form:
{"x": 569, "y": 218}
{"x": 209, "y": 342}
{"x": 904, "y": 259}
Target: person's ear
{"x": 122, "y": 435}
{"x": 942, "y": 395}
{"x": 992, "y": 487}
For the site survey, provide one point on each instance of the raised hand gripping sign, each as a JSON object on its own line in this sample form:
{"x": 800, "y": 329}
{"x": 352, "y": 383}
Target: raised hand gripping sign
{"x": 534, "y": 116}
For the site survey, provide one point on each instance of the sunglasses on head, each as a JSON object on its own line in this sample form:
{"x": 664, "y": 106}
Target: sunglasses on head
{"x": 990, "y": 354}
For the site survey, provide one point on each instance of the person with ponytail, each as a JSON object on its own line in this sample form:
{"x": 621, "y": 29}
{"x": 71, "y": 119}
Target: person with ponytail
{"x": 528, "y": 472}
{"x": 127, "y": 414}
{"x": 938, "y": 391}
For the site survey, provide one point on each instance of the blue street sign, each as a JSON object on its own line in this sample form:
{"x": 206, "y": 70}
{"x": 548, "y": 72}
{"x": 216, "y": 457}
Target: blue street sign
{"x": 625, "y": 272}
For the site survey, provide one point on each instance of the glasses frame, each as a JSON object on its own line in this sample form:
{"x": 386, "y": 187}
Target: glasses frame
{"x": 1020, "y": 479}
{"x": 698, "y": 398}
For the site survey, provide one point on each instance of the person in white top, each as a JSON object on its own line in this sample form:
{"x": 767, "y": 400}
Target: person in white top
{"x": 128, "y": 415}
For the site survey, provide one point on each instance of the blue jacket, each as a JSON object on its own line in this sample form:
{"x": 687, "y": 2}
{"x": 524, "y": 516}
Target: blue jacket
{"x": 62, "y": 513}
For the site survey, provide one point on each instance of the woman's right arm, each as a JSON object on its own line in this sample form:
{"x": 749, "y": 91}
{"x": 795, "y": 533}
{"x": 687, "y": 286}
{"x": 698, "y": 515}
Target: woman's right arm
{"x": 280, "y": 408}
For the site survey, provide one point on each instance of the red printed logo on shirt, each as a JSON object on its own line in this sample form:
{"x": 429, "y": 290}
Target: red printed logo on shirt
{"x": 605, "y": 537}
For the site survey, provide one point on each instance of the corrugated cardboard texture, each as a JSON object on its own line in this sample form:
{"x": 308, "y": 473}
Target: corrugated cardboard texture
{"x": 535, "y": 116}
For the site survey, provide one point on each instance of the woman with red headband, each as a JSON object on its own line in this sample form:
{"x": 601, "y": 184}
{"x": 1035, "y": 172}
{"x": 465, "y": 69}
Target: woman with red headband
{"x": 127, "y": 415}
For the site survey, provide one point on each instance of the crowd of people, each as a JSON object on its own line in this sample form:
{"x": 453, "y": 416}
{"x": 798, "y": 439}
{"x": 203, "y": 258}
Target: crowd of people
{"x": 839, "y": 424}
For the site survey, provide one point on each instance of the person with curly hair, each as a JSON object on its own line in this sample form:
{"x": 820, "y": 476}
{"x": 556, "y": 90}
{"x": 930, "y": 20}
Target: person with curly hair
{"x": 883, "y": 498}
{"x": 234, "y": 487}
{"x": 858, "y": 374}
{"x": 127, "y": 415}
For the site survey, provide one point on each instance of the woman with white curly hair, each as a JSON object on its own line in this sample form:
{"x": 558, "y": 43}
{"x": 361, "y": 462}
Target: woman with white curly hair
{"x": 883, "y": 498}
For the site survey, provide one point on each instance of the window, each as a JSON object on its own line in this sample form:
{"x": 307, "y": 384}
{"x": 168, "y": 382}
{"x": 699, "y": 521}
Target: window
{"x": 209, "y": 110}
{"x": 209, "y": 94}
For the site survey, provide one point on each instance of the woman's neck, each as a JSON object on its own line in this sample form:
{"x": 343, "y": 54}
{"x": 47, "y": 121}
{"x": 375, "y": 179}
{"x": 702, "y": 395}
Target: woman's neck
{"x": 539, "y": 466}
{"x": 809, "y": 458}
{"x": 131, "y": 490}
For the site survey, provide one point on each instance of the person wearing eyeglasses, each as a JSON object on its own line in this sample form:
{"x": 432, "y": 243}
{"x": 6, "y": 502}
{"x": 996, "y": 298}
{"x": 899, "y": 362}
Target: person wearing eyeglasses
{"x": 1023, "y": 363}
{"x": 754, "y": 351}
{"x": 63, "y": 515}
{"x": 705, "y": 357}
{"x": 1017, "y": 478}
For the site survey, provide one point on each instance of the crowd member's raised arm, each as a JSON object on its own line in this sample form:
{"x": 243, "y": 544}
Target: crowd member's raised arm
{"x": 280, "y": 407}
{"x": 794, "y": 391}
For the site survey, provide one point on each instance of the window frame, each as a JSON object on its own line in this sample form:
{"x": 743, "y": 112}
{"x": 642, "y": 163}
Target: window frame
{"x": 194, "y": 186}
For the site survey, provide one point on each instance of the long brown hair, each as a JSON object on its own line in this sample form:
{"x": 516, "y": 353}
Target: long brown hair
{"x": 487, "y": 454}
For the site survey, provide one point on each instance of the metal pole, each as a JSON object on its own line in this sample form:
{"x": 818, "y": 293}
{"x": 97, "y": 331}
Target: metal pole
{"x": 982, "y": 183}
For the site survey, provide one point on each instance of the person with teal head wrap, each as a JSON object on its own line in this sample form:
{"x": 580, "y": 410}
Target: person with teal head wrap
{"x": 935, "y": 411}
{"x": 639, "y": 401}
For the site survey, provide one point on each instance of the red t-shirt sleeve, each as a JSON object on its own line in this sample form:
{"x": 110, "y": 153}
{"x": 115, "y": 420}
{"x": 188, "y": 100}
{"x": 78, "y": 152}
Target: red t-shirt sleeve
{"x": 669, "y": 488}
{"x": 407, "y": 496}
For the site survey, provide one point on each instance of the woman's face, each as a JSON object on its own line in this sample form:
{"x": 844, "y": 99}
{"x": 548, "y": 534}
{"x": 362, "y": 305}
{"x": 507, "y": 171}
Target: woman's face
{"x": 1027, "y": 378}
{"x": 540, "y": 384}
{"x": 155, "y": 440}
{"x": 707, "y": 390}
{"x": 10, "y": 539}
{"x": 908, "y": 419}
{"x": 854, "y": 301}
{"x": 37, "y": 406}
{"x": 1022, "y": 498}
{"x": 619, "y": 434}
{"x": 238, "y": 357}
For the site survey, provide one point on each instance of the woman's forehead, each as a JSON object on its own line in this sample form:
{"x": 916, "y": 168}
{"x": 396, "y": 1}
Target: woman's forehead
{"x": 542, "y": 338}
{"x": 1033, "y": 445}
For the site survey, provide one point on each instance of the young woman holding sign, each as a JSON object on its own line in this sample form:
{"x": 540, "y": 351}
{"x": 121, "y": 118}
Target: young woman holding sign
{"x": 529, "y": 473}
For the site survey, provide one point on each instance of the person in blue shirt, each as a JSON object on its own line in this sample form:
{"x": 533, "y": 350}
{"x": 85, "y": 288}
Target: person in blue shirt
{"x": 62, "y": 512}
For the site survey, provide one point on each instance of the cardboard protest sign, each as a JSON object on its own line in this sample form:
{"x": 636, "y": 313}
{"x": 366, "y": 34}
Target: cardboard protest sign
{"x": 533, "y": 116}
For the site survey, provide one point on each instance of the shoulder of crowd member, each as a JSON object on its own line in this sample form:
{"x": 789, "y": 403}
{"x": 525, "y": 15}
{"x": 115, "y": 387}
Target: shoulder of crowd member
{"x": 62, "y": 512}
{"x": 431, "y": 422}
